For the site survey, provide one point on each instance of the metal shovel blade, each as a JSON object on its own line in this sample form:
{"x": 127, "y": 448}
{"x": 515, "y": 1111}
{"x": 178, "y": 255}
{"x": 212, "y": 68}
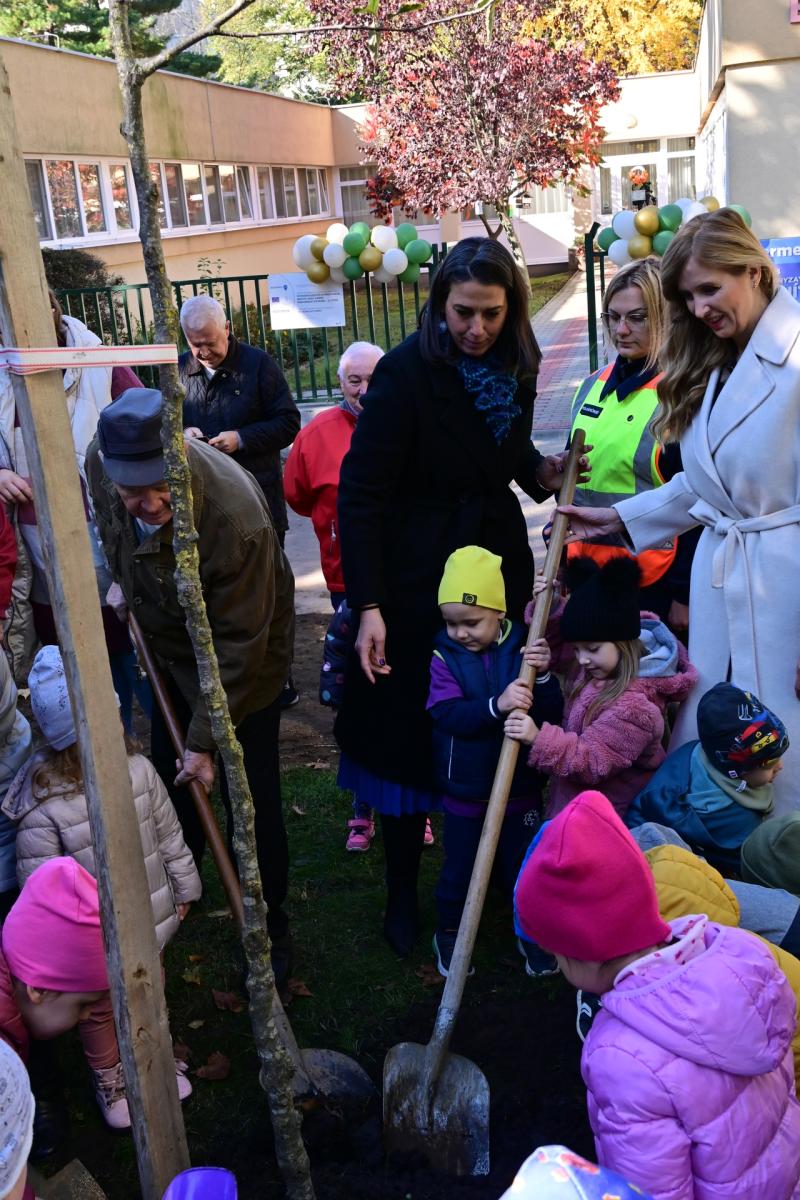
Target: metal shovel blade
{"x": 335, "y": 1076}
{"x": 448, "y": 1122}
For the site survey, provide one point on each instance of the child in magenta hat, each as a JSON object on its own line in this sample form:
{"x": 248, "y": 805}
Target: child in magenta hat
{"x": 688, "y": 1064}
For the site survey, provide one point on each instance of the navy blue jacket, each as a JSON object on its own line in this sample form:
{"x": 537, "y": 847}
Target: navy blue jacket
{"x": 717, "y": 835}
{"x": 468, "y": 731}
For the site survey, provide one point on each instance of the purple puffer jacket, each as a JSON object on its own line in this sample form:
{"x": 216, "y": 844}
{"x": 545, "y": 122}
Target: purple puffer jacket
{"x": 688, "y": 1067}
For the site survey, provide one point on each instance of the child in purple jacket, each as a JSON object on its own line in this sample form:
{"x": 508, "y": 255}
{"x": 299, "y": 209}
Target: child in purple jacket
{"x": 688, "y": 1064}
{"x": 474, "y": 685}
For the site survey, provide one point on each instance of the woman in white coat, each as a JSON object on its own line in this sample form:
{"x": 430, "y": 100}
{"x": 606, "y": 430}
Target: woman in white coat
{"x": 731, "y": 394}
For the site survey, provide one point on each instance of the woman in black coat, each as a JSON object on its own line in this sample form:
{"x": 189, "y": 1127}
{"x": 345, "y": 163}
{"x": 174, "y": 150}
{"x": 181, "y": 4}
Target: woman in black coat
{"x": 446, "y": 428}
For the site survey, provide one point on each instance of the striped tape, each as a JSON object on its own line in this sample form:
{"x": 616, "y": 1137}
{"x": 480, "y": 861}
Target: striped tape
{"x": 33, "y": 359}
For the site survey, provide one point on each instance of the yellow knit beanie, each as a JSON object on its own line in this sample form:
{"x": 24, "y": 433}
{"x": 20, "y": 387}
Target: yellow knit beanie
{"x": 472, "y": 575}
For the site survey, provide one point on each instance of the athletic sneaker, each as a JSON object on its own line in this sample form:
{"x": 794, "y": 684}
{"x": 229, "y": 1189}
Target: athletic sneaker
{"x": 362, "y": 831}
{"x": 429, "y": 839}
{"x": 589, "y": 1006}
{"x": 538, "y": 963}
{"x": 289, "y": 695}
{"x": 444, "y": 943}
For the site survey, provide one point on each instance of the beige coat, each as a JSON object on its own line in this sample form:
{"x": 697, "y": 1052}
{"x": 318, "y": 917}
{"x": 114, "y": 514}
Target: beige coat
{"x": 741, "y": 480}
{"x": 52, "y": 819}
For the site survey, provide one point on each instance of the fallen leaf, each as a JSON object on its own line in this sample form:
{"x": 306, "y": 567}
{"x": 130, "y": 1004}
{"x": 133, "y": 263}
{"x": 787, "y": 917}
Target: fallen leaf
{"x": 196, "y": 957}
{"x": 198, "y": 1024}
{"x": 296, "y": 987}
{"x": 181, "y": 1050}
{"x": 300, "y": 812}
{"x": 218, "y": 1066}
{"x": 192, "y": 975}
{"x": 218, "y": 913}
{"x": 318, "y": 765}
{"x": 429, "y": 975}
{"x": 227, "y": 1001}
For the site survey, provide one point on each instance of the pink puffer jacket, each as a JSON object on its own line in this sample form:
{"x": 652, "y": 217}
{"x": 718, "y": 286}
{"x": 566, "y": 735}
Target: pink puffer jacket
{"x": 620, "y": 749}
{"x": 689, "y": 1072}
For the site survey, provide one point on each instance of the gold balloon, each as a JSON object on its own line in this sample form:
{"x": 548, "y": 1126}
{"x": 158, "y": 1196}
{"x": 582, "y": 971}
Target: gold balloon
{"x": 319, "y": 272}
{"x": 640, "y": 246}
{"x": 370, "y": 258}
{"x": 646, "y": 221}
{"x": 711, "y": 203}
{"x": 318, "y": 248}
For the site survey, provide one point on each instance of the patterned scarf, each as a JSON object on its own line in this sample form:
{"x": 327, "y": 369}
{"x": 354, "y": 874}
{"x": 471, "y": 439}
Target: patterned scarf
{"x": 493, "y": 392}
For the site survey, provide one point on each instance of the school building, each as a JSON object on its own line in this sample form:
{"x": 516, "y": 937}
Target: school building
{"x": 242, "y": 174}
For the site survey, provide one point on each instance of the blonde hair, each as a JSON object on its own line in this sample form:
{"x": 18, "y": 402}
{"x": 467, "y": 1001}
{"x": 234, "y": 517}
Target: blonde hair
{"x": 630, "y": 652}
{"x": 62, "y": 766}
{"x": 644, "y": 274}
{"x": 691, "y": 351}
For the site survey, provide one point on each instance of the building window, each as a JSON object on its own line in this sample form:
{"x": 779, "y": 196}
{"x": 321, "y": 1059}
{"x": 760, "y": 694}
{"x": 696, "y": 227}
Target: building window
{"x": 265, "y": 194}
{"x": 684, "y": 143}
{"x": 537, "y": 201}
{"x": 93, "y": 211}
{"x": 245, "y": 195}
{"x": 681, "y": 178}
{"x": 605, "y": 190}
{"x": 177, "y": 204}
{"x": 64, "y": 198}
{"x": 651, "y": 146}
{"x": 39, "y": 200}
{"x": 285, "y": 192}
{"x": 353, "y": 181}
{"x": 627, "y": 186}
{"x": 313, "y": 193}
{"x": 213, "y": 194}
{"x": 120, "y": 195}
{"x": 193, "y": 190}
{"x": 155, "y": 175}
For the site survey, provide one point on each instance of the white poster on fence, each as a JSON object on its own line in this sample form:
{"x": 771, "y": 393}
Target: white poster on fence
{"x": 295, "y": 303}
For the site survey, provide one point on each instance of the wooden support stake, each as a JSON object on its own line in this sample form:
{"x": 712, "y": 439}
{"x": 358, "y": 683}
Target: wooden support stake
{"x": 131, "y": 951}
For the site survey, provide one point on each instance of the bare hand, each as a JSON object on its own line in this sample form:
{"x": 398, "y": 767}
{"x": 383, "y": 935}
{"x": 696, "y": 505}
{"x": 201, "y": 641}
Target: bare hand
{"x": 191, "y": 431}
{"x": 521, "y": 728}
{"x": 228, "y": 441}
{"x": 182, "y": 910}
{"x": 115, "y": 598}
{"x": 587, "y": 523}
{"x": 537, "y": 656}
{"x": 516, "y": 695}
{"x": 540, "y": 584}
{"x": 371, "y": 644}
{"x": 14, "y": 488}
{"x": 550, "y": 472}
{"x": 678, "y": 617}
{"x": 196, "y": 764}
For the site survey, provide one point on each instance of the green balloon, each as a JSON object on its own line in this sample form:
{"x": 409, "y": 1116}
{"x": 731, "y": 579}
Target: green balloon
{"x": 363, "y": 228}
{"x": 743, "y": 213}
{"x": 411, "y": 273}
{"x": 670, "y": 217}
{"x": 605, "y": 238}
{"x": 354, "y": 243}
{"x": 352, "y": 269}
{"x": 662, "y": 240}
{"x": 418, "y": 251}
{"x": 406, "y": 233}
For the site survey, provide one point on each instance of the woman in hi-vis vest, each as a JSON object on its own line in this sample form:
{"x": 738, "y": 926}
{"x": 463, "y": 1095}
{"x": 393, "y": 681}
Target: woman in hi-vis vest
{"x": 616, "y": 407}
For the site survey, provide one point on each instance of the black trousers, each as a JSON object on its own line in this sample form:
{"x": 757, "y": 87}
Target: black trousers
{"x": 258, "y": 735}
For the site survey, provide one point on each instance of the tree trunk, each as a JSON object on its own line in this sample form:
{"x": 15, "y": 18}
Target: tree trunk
{"x": 507, "y": 226}
{"x": 276, "y": 1069}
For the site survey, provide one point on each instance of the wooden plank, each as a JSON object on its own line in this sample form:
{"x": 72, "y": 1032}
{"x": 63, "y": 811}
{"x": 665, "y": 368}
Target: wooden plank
{"x": 131, "y": 951}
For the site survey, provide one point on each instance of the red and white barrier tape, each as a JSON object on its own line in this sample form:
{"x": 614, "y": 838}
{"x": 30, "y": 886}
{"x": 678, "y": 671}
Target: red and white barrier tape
{"x": 31, "y": 360}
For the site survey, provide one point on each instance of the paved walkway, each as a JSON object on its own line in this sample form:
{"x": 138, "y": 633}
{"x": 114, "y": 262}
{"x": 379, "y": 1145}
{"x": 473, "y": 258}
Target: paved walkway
{"x": 561, "y": 330}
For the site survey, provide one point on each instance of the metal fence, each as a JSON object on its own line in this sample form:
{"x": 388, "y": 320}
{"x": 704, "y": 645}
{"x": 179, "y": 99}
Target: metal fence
{"x": 380, "y": 313}
{"x": 595, "y": 290}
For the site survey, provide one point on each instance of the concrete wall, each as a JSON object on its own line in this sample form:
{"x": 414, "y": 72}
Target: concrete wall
{"x": 652, "y": 106}
{"x": 763, "y": 105}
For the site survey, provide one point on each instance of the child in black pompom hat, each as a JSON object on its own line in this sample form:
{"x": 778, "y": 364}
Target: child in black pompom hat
{"x": 628, "y": 666}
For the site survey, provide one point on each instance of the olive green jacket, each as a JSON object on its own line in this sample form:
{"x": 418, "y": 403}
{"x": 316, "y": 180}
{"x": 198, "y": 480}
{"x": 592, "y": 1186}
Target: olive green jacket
{"x": 246, "y": 579}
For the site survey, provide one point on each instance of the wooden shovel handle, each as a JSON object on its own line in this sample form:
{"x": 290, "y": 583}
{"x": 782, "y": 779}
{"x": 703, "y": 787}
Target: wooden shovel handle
{"x": 484, "y": 859}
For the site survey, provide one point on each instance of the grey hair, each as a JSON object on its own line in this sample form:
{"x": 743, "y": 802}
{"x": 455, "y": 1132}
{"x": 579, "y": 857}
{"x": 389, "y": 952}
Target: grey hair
{"x": 355, "y": 347}
{"x": 198, "y": 311}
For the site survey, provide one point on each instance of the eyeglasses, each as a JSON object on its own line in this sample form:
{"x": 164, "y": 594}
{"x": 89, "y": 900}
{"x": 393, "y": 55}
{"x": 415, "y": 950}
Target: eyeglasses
{"x": 634, "y": 320}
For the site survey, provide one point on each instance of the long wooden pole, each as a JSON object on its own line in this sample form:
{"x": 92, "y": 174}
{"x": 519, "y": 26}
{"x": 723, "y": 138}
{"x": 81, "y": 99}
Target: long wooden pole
{"x": 131, "y": 952}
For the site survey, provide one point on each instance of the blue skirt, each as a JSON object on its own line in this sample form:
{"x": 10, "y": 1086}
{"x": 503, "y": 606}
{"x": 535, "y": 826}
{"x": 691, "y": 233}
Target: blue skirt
{"x": 384, "y": 795}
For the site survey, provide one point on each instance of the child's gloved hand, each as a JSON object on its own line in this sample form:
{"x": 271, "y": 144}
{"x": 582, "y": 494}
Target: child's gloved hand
{"x": 521, "y": 728}
{"x": 537, "y": 656}
{"x": 516, "y": 695}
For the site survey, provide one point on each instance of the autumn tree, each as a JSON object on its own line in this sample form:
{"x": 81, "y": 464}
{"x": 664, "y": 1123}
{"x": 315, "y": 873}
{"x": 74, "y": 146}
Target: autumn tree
{"x": 271, "y": 64}
{"x": 634, "y": 36}
{"x": 472, "y": 110}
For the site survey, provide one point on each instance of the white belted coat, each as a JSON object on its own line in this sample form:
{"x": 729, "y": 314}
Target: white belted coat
{"x": 741, "y": 480}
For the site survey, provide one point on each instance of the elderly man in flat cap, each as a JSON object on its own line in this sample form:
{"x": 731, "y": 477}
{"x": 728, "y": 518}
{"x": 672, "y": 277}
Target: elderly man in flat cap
{"x": 249, "y": 593}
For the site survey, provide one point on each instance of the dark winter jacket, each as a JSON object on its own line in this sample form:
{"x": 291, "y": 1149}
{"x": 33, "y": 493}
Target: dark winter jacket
{"x": 247, "y": 584}
{"x": 712, "y": 822}
{"x": 423, "y": 476}
{"x": 339, "y": 640}
{"x": 247, "y": 393}
{"x": 467, "y": 725}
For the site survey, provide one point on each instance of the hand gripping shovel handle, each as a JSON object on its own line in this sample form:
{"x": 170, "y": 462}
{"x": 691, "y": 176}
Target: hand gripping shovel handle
{"x": 468, "y": 928}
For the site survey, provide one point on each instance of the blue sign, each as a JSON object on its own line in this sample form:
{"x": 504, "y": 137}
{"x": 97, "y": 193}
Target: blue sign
{"x": 785, "y": 253}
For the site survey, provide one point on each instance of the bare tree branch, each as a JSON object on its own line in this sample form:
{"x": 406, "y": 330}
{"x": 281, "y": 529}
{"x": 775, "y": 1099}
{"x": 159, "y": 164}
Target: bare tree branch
{"x": 148, "y": 65}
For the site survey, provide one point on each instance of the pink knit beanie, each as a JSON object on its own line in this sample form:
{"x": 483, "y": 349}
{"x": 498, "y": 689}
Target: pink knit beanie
{"x": 586, "y": 891}
{"x": 52, "y": 937}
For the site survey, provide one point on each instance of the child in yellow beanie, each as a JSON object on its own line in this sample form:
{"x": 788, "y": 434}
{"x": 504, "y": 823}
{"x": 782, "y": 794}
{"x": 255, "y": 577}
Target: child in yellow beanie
{"x": 474, "y": 686}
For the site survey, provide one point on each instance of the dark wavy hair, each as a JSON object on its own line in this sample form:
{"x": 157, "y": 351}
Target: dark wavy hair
{"x": 483, "y": 261}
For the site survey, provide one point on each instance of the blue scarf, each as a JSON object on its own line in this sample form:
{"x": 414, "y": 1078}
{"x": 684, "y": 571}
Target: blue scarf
{"x": 493, "y": 390}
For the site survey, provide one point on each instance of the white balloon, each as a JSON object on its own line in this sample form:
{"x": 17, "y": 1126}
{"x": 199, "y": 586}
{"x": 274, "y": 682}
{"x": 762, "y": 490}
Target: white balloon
{"x": 695, "y": 209}
{"x": 337, "y": 232}
{"x": 618, "y": 253}
{"x": 395, "y": 262}
{"x": 301, "y": 252}
{"x": 334, "y": 254}
{"x": 337, "y": 275}
{"x": 382, "y": 275}
{"x": 384, "y": 238}
{"x": 683, "y": 203}
{"x": 623, "y": 224}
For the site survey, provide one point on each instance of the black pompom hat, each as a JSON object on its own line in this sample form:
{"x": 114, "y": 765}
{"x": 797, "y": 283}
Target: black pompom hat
{"x": 604, "y": 605}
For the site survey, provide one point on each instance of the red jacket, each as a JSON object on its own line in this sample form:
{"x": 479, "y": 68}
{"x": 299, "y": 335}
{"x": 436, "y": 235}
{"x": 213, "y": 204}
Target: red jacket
{"x": 311, "y": 482}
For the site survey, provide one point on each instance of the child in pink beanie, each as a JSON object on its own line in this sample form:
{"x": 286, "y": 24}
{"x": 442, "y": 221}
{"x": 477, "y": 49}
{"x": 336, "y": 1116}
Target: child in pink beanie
{"x": 688, "y": 1064}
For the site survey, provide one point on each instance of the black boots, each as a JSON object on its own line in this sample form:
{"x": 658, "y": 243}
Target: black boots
{"x": 402, "y": 840}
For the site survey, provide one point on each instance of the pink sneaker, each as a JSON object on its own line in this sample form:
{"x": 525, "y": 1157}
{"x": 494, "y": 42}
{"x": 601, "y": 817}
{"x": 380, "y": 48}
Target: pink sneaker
{"x": 362, "y": 831}
{"x": 428, "y": 839}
